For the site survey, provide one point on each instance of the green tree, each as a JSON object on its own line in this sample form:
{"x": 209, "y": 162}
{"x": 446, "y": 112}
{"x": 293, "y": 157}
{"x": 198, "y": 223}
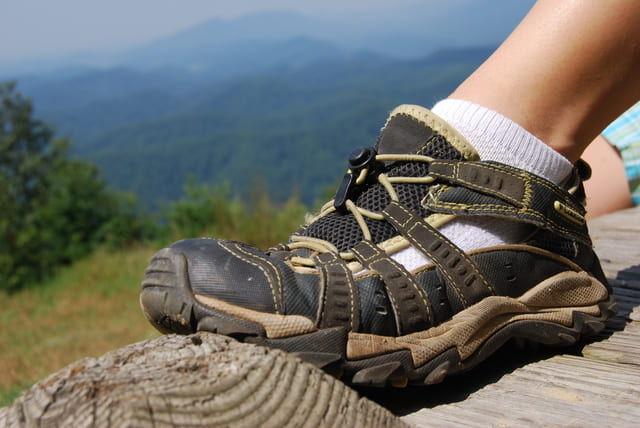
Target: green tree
{"x": 53, "y": 209}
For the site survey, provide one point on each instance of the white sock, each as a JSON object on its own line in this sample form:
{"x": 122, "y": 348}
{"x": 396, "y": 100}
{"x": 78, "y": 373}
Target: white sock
{"x": 497, "y": 138}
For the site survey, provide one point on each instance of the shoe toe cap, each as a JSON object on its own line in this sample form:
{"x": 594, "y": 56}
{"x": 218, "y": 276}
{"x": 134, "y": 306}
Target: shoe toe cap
{"x": 231, "y": 271}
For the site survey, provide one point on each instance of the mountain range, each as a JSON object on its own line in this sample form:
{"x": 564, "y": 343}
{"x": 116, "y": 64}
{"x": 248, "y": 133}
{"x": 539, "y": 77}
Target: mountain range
{"x": 274, "y": 98}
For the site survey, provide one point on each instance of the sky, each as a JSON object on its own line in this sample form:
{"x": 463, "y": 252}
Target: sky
{"x": 50, "y": 28}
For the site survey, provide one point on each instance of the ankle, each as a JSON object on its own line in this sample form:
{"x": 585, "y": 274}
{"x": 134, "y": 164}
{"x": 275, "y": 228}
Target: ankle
{"x": 497, "y": 138}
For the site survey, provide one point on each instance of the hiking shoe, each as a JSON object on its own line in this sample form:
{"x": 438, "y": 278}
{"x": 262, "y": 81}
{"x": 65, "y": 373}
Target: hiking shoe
{"x": 372, "y": 290}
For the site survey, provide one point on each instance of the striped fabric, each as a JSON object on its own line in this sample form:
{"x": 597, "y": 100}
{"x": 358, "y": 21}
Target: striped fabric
{"x": 624, "y": 133}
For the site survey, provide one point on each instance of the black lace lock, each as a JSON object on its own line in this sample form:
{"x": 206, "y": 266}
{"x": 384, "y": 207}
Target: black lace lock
{"x": 359, "y": 159}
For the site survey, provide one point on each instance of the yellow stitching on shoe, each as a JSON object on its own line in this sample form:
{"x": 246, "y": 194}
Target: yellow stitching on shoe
{"x": 276, "y": 270}
{"x": 531, "y": 250}
{"x": 265, "y": 273}
{"x": 399, "y": 242}
{"x": 493, "y": 169}
{"x": 351, "y": 298}
{"x": 568, "y": 213}
{"x": 500, "y": 209}
{"x": 373, "y": 259}
{"x": 434, "y": 122}
{"x": 429, "y": 254}
{"x": 461, "y": 254}
{"x": 394, "y": 304}
{"x": 525, "y": 210}
{"x": 527, "y": 179}
{"x": 326, "y": 283}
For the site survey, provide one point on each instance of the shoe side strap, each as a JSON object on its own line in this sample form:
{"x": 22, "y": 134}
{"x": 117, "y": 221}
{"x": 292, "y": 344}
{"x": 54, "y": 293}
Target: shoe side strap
{"x": 409, "y": 302}
{"x": 491, "y": 188}
{"x": 339, "y": 307}
{"x": 460, "y": 272}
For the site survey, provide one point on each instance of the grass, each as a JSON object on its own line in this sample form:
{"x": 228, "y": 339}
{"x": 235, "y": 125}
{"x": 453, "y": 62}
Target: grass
{"x": 88, "y": 309}
{"x": 92, "y": 306}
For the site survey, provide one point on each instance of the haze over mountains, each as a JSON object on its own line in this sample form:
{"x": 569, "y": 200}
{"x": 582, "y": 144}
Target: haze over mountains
{"x": 277, "y": 97}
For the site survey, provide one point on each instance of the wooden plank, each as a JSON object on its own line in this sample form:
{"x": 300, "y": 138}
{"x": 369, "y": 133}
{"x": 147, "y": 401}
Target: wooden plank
{"x": 564, "y": 390}
{"x": 616, "y": 238}
{"x": 628, "y": 300}
{"x": 621, "y": 348}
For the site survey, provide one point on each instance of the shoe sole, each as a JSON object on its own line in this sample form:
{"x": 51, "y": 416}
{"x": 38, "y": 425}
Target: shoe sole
{"x": 548, "y": 314}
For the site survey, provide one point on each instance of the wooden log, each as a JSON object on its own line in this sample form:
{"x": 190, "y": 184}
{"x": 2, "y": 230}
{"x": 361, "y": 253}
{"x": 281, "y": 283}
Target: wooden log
{"x": 197, "y": 380}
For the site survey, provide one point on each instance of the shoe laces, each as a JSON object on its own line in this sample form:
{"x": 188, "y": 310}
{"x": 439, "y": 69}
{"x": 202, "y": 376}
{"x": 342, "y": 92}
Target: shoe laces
{"x": 366, "y": 168}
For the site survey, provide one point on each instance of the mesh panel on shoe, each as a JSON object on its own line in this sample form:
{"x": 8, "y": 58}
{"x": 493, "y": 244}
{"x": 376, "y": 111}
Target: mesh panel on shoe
{"x": 339, "y": 229}
{"x": 343, "y": 231}
{"x": 440, "y": 148}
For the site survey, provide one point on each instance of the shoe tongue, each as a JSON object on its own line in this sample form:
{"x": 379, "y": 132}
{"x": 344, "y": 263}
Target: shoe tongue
{"x": 411, "y": 129}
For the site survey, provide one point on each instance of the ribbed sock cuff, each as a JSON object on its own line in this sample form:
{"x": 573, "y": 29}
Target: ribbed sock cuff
{"x": 498, "y": 138}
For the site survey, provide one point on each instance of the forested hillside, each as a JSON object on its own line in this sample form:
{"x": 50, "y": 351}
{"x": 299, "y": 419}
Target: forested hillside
{"x": 290, "y": 127}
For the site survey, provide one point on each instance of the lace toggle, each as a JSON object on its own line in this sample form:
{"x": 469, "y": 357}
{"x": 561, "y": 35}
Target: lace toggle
{"x": 362, "y": 165}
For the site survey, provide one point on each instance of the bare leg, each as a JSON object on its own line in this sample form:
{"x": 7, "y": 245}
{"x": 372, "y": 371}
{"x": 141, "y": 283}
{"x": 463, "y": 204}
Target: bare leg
{"x": 567, "y": 71}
